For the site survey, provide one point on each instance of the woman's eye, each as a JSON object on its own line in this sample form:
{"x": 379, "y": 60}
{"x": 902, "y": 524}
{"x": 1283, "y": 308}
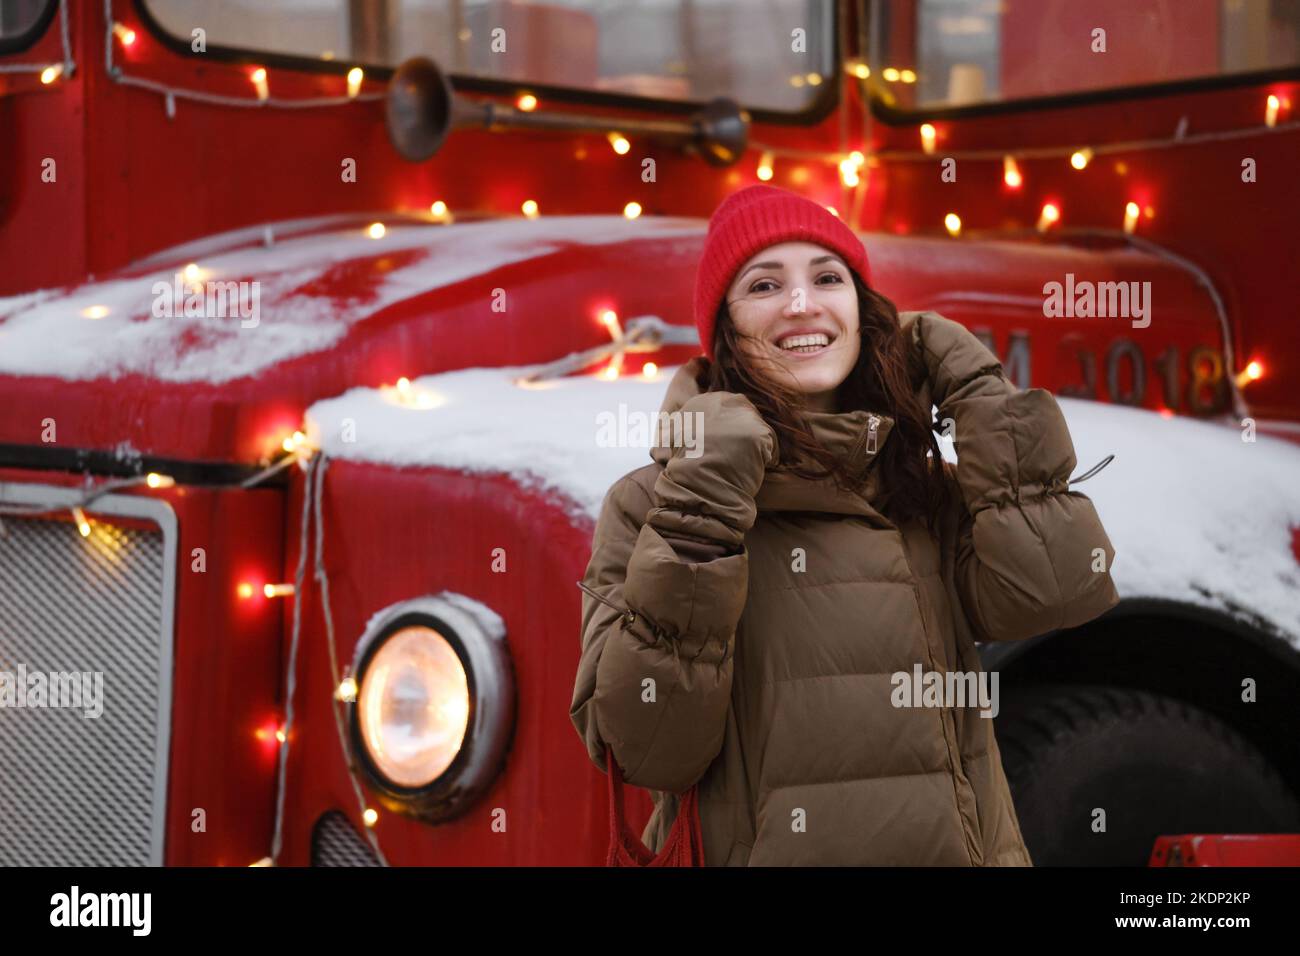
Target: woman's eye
{"x": 832, "y": 275}
{"x": 755, "y": 286}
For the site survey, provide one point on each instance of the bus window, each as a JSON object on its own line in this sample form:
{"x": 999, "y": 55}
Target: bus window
{"x": 689, "y": 50}
{"x": 947, "y": 53}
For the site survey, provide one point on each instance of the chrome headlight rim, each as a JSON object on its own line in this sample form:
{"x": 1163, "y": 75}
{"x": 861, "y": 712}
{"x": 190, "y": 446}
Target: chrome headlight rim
{"x": 479, "y": 642}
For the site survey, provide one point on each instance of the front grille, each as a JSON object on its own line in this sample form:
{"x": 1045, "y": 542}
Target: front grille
{"x": 334, "y": 842}
{"x": 78, "y": 790}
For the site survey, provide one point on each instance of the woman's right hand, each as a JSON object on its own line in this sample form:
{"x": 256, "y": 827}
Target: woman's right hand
{"x": 719, "y": 476}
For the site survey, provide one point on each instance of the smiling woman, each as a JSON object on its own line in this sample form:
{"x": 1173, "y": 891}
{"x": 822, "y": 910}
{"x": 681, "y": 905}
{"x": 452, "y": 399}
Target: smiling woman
{"x": 768, "y": 592}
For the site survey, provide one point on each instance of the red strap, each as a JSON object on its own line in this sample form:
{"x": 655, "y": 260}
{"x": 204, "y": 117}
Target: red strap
{"x": 684, "y": 845}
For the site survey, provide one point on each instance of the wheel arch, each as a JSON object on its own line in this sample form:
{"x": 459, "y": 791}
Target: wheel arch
{"x": 1196, "y": 654}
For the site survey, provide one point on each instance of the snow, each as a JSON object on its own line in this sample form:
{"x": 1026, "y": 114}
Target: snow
{"x": 299, "y": 312}
{"x": 1195, "y": 513}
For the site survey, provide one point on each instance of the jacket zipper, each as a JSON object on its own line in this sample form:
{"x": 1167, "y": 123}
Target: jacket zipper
{"x": 628, "y": 615}
{"x": 873, "y": 422}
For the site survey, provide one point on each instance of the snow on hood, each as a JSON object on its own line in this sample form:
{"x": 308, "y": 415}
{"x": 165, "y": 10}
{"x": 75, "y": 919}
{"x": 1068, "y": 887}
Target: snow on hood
{"x": 310, "y": 293}
{"x": 1194, "y": 513}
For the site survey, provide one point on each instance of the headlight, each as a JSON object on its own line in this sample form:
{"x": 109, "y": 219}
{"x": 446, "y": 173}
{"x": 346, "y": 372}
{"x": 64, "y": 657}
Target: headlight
{"x": 435, "y": 704}
{"x": 413, "y": 705}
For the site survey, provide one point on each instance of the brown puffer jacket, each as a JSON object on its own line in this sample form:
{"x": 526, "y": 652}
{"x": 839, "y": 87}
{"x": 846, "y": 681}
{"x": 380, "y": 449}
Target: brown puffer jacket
{"x": 764, "y": 674}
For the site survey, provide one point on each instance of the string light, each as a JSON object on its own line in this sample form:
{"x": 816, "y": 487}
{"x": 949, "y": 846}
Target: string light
{"x": 1080, "y": 157}
{"x": 95, "y": 311}
{"x": 527, "y": 102}
{"x": 280, "y": 735}
{"x": 849, "y": 173}
{"x": 192, "y": 272}
{"x": 277, "y": 590}
{"x": 370, "y": 817}
{"x": 258, "y": 77}
{"x": 610, "y": 319}
{"x": 347, "y": 690}
{"x": 927, "y": 138}
{"x": 765, "y": 166}
{"x": 952, "y": 222}
{"x": 1271, "y": 107}
{"x": 155, "y": 480}
{"x": 1011, "y": 173}
{"x": 439, "y": 209}
{"x": 649, "y": 370}
{"x": 51, "y": 73}
{"x": 124, "y": 34}
{"x": 890, "y": 74}
{"x": 632, "y": 210}
{"x": 1051, "y": 213}
{"x": 619, "y": 142}
{"x": 355, "y": 76}
{"x": 529, "y": 208}
{"x": 376, "y": 230}
{"x": 907, "y": 76}
{"x": 83, "y": 525}
{"x": 1253, "y": 372}
{"x": 245, "y": 590}
{"x": 1131, "y": 213}
{"x": 858, "y": 69}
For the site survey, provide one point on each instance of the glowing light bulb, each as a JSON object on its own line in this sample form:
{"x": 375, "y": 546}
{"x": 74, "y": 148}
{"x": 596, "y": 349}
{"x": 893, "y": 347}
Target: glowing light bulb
{"x": 439, "y": 209}
{"x": 1271, "y": 107}
{"x": 258, "y": 77}
{"x": 1253, "y": 372}
{"x": 527, "y": 102}
{"x": 620, "y": 144}
{"x": 95, "y": 311}
{"x": 245, "y": 590}
{"x": 192, "y": 272}
{"x": 928, "y": 134}
{"x": 952, "y": 222}
{"x": 814, "y": 79}
{"x": 355, "y": 76}
{"x": 609, "y": 373}
{"x": 890, "y": 74}
{"x": 83, "y": 525}
{"x": 376, "y": 230}
{"x": 610, "y": 318}
{"x": 907, "y": 76}
{"x": 1080, "y": 157}
{"x": 277, "y": 590}
{"x": 347, "y": 690}
{"x": 849, "y": 173}
{"x": 859, "y": 69}
{"x": 155, "y": 480}
{"x": 125, "y": 35}
{"x": 280, "y": 735}
{"x": 1011, "y": 173}
{"x": 632, "y": 210}
{"x": 765, "y": 167}
{"x": 370, "y": 817}
{"x": 1051, "y": 213}
{"x": 51, "y": 73}
{"x": 649, "y": 370}
{"x": 529, "y": 208}
{"x": 1131, "y": 213}
{"x": 404, "y": 386}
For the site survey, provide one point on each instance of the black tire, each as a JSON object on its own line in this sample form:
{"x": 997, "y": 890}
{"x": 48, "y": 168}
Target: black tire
{"x": 1156, "y": 765}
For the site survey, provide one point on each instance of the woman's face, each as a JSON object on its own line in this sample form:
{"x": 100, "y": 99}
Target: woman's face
{"x": 796, "y": 303}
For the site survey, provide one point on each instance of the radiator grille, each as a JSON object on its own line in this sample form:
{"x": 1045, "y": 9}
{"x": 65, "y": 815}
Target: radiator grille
{"x": 334, "y": 842}
{"x": 79, "y": 791}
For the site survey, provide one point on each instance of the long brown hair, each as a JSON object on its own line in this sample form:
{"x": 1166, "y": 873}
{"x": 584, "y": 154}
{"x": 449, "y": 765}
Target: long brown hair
{"x": 883, "y": 380}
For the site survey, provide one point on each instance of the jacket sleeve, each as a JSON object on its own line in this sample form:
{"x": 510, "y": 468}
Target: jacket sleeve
{"x": 1029, "y": 552}
{"x": 655, "y": 673}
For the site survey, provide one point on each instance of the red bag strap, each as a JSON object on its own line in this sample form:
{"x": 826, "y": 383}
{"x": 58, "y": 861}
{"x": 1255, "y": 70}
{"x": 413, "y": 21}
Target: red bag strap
{"x": 684, "y": 844}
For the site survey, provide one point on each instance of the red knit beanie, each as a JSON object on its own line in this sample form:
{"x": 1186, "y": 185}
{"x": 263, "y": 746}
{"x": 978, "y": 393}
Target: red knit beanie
{"x": 750, "y": 220}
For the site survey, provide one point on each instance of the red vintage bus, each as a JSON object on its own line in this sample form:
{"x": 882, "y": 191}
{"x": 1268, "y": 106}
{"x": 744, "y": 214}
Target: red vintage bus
{"x": 306, "y": 310}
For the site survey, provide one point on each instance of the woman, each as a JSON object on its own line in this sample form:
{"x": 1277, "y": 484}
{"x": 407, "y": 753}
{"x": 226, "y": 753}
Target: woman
{"x": 766, "y": 599}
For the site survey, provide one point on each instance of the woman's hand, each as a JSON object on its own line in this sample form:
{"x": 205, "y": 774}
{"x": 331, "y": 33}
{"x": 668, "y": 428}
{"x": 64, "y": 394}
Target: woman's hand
{"x": 948, "y": 352}
{"x": 714, "y": 481}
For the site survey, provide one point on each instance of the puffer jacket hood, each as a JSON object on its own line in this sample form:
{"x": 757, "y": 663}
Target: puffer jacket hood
{"x": 773, "y": 677}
